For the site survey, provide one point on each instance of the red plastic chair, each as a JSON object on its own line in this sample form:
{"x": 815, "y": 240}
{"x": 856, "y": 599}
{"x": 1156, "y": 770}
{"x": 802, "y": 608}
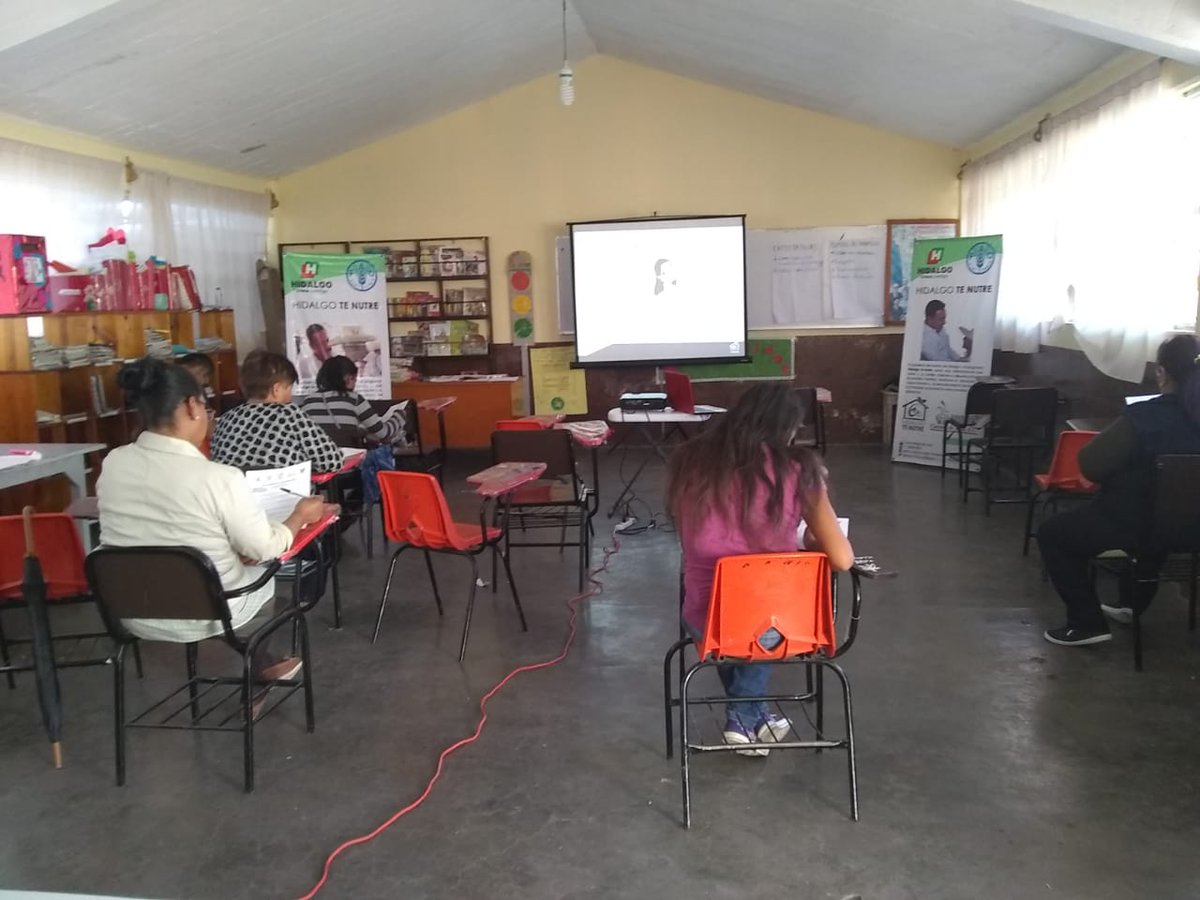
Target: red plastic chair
{"x": 60, "y": 552}
{"x": 793, "y": 593}
{"x": 519, "y": 425}
{"x": 1063, "y": 479}
{"x": 415, "y": 515}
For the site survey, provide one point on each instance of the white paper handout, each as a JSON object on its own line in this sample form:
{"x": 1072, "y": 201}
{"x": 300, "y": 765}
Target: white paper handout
{"x": 843, "y": 523}
{"x": 10, "y": 459}
{"x": 279, "y": 490}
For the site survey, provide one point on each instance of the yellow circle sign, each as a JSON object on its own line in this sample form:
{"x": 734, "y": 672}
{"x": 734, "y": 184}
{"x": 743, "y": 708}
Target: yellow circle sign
{"x": 521, "y": 304}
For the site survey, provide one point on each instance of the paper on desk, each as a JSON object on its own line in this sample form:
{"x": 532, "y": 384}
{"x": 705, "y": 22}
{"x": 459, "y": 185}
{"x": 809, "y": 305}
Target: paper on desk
{"x": 395, "y": 409}
{"x": 8, "y": 460}
{"x": 843, "y": 523}
{"x": 271, "y": 488}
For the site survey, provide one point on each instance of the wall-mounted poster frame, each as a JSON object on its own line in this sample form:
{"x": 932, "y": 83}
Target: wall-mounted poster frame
{"x": 898, "y": 266}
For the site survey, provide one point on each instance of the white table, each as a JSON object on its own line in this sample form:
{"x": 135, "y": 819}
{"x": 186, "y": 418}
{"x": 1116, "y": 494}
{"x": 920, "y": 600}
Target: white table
{"x": 57, "y": 459}
{"x": 665, "y": 423}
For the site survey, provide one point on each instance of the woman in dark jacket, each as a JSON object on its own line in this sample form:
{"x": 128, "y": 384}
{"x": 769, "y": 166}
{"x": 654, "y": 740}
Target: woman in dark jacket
{"x": 1121, "y": 460}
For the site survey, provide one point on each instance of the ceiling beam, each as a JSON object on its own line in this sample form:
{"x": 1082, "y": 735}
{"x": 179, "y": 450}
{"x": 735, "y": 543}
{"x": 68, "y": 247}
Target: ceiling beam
{"x": 1169, "y": 28}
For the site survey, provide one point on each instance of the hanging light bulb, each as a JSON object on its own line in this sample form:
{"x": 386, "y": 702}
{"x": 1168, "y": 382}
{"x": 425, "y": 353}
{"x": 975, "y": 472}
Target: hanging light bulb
{"x": 566, "y": 85}
{"x": 566, "y": 77}
{"x": 126, "y": 207}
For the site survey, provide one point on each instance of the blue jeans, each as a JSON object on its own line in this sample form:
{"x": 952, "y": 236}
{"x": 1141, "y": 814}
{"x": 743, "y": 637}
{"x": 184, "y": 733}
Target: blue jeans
{"x": 744, "y": 680}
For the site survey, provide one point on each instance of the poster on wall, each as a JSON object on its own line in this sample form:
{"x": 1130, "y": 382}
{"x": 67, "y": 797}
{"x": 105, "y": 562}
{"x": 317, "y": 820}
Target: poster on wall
{"x": 557, "y": 388}
{"x": 336, "y": 305}
{"x": 948, "y": 340}
{"x": 901, "y": 235}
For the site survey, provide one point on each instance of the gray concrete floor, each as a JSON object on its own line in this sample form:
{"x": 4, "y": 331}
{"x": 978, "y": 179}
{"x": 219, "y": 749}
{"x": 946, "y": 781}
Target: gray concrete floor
{"x": 991, "y": 764}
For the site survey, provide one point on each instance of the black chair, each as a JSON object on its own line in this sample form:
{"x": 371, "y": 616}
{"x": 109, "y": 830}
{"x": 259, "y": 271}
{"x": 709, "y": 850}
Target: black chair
{"x": 415, "y": 456}
{"x": 1020, "y": 432}
{"x": 1174, "y": 538}
{"x": 979, "y": 405}
{"x": 346, "y": 489}
{"x": 812, "y": 433}
{"x": 559, "y": 499}
{"x": 181, "y": 583}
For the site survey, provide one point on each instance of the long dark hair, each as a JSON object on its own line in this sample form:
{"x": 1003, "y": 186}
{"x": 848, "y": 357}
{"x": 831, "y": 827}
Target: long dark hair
{"x": 1180, "y": 359}
{"x": 334, "y": 373}
{"x": 746, "y": 450}
{"x": 157, "y": 389}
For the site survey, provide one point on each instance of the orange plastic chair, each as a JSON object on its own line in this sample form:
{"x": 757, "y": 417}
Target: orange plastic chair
{"x": 60, "y": 553}
{"x": 519, "y": 425}
{"x": 1063, "y": 479}
{"x": 794, "y": 593}
{"x": 415, "y": 514}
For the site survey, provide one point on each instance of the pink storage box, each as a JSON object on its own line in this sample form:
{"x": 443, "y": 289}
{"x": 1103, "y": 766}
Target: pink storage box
{"x": 22, "y": 274}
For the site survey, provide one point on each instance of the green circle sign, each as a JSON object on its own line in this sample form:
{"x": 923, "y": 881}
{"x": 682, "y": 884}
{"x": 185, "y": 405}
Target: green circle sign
{"x": 522, "y": 328}
{"x": 557, "y": 403}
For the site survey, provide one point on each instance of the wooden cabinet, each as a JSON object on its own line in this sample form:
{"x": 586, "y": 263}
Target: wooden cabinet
{"x": 470, "y": 421}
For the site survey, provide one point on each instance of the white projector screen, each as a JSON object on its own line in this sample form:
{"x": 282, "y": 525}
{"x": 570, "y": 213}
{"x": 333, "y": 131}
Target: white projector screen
{"x": 659, "y": 291}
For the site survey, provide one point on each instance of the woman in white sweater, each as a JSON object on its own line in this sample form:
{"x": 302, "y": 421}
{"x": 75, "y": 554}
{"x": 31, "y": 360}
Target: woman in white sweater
{"x": 162, "y": 491}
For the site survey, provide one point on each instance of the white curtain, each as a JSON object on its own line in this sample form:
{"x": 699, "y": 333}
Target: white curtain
{"x": 222, "y": 233}
{"x": 1101, "y": 225}
{"x": 68, "y": 199}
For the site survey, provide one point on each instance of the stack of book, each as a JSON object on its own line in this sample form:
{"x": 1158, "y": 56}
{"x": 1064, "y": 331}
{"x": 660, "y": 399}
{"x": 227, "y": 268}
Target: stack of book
{"x": 43, "y": 355}
{"x": 101, "y": 354}
{"x": 211, "y": 344}
{"x": 77, "y": 355}
{"x": 158, "y": 343}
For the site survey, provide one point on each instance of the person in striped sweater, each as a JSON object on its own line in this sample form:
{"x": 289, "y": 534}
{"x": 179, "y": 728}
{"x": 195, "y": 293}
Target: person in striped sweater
{"x": 335, "y": 403}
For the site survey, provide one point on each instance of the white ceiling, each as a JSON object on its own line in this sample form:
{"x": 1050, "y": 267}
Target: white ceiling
{"x": 304, "y": 80}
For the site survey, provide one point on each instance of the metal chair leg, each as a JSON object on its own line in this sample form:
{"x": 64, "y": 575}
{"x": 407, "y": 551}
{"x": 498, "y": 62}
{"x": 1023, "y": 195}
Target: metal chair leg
{"x": 247, "y": 724}
{"x": 190, "y": 653}
{"x": 512, "y": 586}
{"x": 848, "y": 708}
{"x": 1131, "y": 587}
{"x": 462, "y": 649}
{"x": 820, "y": 729}
{"x": 119, "y": 711}
{"x": 437, "y": 597}
{"x": 310, "y": 719}
{"x": 387, "y": 586}
{"x": 137, "y": 659}
{"x": 1033, "y": 501}
{"x": 668, "y": 697}
{"x": 684, "y": 746}
{"x": 7, "y": 660}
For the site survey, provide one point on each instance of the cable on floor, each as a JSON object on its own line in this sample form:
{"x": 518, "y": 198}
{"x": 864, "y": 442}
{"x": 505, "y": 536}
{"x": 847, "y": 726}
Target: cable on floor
{"x": 596, "y": 587}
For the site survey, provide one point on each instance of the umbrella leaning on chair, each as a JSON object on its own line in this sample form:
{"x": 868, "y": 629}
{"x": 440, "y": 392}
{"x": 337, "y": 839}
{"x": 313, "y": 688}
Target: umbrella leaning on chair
{"x": 33, "y": 592}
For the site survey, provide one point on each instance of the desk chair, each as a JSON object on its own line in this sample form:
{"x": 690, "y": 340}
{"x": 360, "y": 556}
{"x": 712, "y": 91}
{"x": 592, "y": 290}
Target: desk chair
{"x": 1064, "y": 480}
{"x": 559, "y": 499}
{"x": 979, "y": 405}
{"x": 1175, "y": 538}
{"x": 795, "y": 594}
{"x": 415, "y": 514}
{"x": 181, "y": 583}
{"x": 60, "y": 553}
{"x": 1021, "y": 429}
{"x": 813, "y": 426}
{"x": 413, "y": 456}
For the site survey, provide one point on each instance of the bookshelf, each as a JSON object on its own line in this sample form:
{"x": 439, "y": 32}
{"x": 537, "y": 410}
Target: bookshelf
{"x": 81, "y": 402}
{"x": 439, "y": 298}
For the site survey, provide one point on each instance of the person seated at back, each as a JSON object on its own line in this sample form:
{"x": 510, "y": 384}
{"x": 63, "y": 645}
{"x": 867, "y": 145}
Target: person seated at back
{"x": 161, "y": 491}
{"x": 741, "y": 487}
{"x": 335, "y": 404}
{"x": 1121, "y": 460}
{"x": 202, "y": 369}
{"x": 267, "y": 431}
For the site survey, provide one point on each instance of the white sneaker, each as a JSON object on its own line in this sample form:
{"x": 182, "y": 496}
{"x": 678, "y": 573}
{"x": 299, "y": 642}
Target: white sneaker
{"x": 1121, "y": 614}
{"x": 774, "y": 728}
{"x": 737, "y": 733}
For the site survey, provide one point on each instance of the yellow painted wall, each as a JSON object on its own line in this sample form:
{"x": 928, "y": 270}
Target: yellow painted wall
{"x": 517, "y": 166}
{"x": 31, "y": 133}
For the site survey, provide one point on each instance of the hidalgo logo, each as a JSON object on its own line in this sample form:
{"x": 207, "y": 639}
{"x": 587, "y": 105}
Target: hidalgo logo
{"x": 934, "y": 256}
{"x": 308, "y": 270}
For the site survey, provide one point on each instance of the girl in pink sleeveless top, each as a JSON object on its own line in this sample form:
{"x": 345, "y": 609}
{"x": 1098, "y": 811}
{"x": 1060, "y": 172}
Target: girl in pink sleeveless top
{"x": 741, "y": 487}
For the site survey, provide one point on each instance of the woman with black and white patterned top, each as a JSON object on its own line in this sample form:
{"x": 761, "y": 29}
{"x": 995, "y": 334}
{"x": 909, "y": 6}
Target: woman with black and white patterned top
{"x": 267, "y": 431}
{"x": 336, "y": 404}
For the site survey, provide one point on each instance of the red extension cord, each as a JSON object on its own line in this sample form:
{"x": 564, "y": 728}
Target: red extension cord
{"x": 573, "y": 604}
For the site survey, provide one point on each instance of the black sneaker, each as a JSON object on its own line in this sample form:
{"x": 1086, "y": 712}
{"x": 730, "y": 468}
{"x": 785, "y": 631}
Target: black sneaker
{"x": 1067, "y": 636}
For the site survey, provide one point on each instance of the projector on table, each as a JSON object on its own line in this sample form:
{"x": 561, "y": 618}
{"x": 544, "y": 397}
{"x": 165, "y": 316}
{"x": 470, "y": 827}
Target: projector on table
{"x": 643, "y": 401}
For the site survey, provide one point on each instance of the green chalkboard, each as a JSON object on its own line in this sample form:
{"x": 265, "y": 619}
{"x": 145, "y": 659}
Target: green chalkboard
{"x": 770, "y": 360}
